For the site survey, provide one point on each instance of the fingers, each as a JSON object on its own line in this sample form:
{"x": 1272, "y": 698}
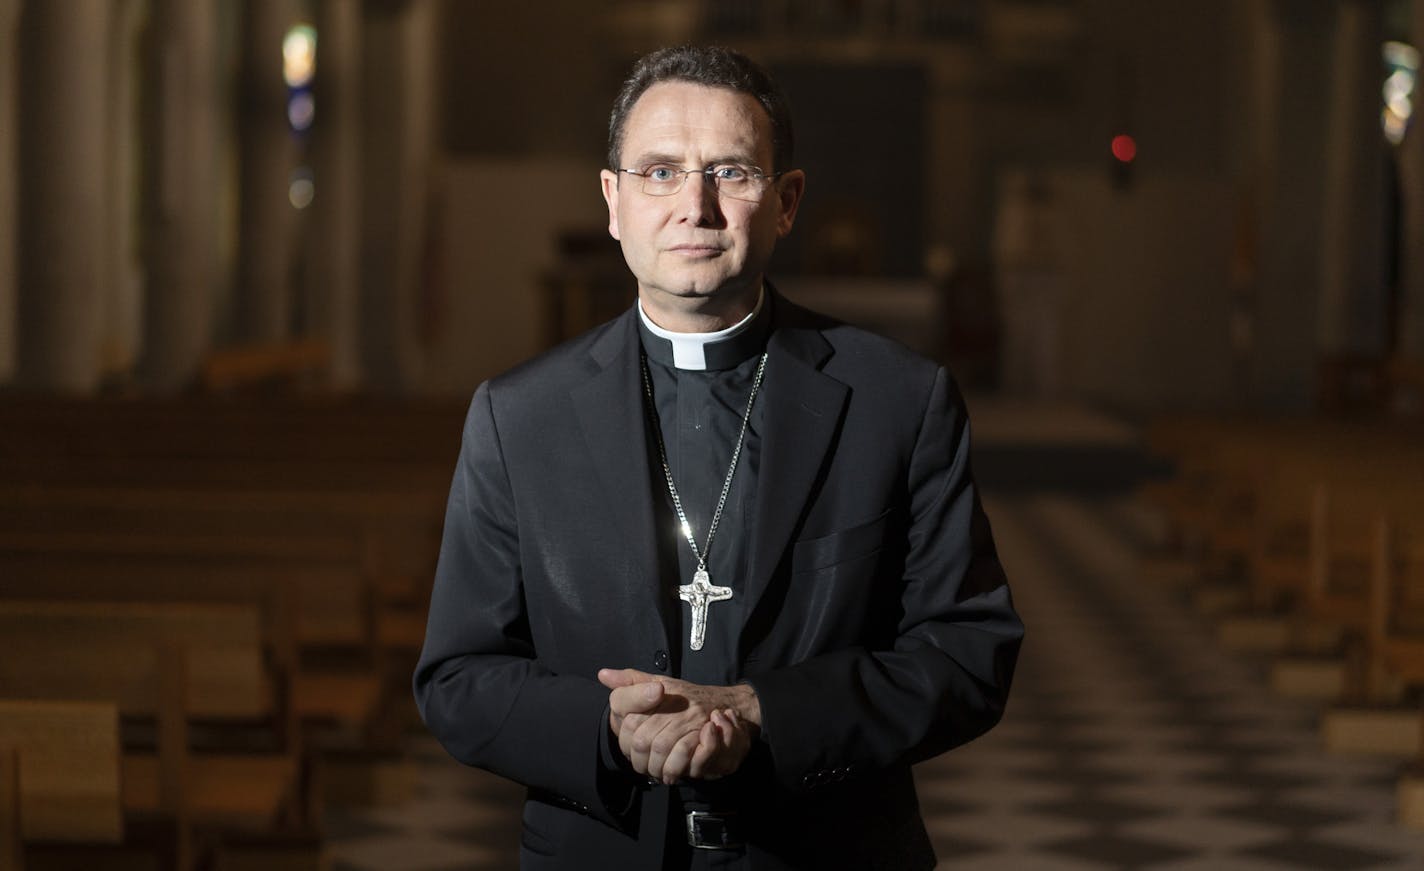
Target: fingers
{"x": 734, "y": 740}
{"x": 635, "y": 698}
{"x": 725, "y": 724}
{"x": 739, "y": 742}
{"x": 671, "y": 766}
{"x": 669, "y": 729}
{"x": 654, "y": 744}
{"x": 628, "y": 740}
{"x": 628, "y": 723}
{"x": 709, "y": 743}
{"x": 634, "y": 749}
{"x": 613, "y": 678}
{"x": 657, "y": 740}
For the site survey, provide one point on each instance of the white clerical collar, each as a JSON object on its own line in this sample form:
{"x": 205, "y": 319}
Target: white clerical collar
{"x": 689, "y": 350}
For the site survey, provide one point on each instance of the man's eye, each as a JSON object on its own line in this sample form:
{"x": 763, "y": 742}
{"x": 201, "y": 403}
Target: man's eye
{"x": 732, "y": 173}
{"x": 661, "y": 173}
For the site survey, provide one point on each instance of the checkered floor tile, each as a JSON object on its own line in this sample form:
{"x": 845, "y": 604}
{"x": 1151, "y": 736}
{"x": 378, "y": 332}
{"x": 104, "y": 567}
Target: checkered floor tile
{"x": 1131, "y": 742}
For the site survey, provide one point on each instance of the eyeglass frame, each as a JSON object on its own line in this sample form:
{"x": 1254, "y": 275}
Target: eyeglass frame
{"x": 707, "y": 175}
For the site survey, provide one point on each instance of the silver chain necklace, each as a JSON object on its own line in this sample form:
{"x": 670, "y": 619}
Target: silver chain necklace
{"x": 700, "y": 593}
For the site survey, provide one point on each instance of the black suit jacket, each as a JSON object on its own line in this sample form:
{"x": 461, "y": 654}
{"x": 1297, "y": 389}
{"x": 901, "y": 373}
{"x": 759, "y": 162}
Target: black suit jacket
{"x": 880, "y": 630}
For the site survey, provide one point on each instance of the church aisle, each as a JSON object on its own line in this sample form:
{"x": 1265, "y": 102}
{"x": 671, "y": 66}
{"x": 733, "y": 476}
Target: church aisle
{"x": 1131, "y": 742}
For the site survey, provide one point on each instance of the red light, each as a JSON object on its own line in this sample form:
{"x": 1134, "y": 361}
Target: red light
{"x": 1124, "y": 148}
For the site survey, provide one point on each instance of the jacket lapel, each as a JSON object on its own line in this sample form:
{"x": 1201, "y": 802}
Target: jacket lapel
{"x": 803, "y": 411}
{"x": 610, "y": 411}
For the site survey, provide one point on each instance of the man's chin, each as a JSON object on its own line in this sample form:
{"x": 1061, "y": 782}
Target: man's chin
{"x": 691, "y": 294}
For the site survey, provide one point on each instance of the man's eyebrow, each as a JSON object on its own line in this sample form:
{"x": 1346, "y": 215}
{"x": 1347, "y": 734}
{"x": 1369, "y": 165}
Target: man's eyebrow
{"x": 659, "y": 158}
{"x": 741, "y": 158}
{"x": 656, "y": 158}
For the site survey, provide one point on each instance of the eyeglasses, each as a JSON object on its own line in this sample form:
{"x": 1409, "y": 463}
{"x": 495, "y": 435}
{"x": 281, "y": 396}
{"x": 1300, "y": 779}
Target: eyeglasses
{"x": 733, "y": 180}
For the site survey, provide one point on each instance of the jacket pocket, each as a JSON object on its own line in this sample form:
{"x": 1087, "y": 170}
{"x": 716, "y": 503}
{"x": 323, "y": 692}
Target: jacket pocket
{"x": 810, "y": 554}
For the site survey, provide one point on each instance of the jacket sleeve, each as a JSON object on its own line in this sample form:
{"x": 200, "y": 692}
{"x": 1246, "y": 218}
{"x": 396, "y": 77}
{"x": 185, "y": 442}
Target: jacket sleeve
{"x": 479, "y": 684}
{"x": 945, "y": 678}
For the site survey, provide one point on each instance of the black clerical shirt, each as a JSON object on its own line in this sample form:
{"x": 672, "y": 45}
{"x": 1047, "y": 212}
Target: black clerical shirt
{"x": 699, "y": 412}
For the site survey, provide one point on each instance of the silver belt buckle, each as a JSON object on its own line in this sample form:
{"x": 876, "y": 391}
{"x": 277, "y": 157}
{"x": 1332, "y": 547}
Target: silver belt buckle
{"x": 713, "y": 831}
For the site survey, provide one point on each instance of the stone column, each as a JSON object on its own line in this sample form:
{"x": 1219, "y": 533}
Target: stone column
{"x": 397, "y": 136}
{"x": 9, "y": 180}
{"x": 181, "y": 191}
{"x": 1288, "y": 290}
{"x": 1411, "y": 171}
{"x": 336, "y": 211}
{"x": 267, "y": 222}
{"x": 1353, "y": 303}
{"x": 63, "y": 124}
{"x": 121, "y": 298}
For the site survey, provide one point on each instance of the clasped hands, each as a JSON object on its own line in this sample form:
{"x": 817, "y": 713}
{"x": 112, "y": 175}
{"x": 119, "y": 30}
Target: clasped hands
{"x": 670, "y": 729}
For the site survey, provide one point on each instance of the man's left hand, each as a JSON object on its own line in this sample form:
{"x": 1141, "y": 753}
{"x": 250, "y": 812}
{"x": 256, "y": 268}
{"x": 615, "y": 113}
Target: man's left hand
{"x": 691, "y": 731}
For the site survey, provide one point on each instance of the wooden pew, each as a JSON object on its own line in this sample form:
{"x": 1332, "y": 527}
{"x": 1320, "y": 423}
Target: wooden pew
{"x": 1395, "y": 650}
{"x": 1250, "y": 496}
{"x": 152, "y": 478}
{"x": 1213, "y": 502}
{"x": 380, "y": 468}
{"x": 305, "y": 608}
{"x": 347, "y": 649}
{"x": 1396, "y": 613}
{"x": 177, "y": 667}
{"x": 295, "y": 363}
{"x": 390, "y": 540}
{"x": 1233, "y": 472}
{"x": 312, "y": 428}
{"x": 1334, "y": 515}
{"x": 1311, "y": 528}
{"x": 59, "y": 776}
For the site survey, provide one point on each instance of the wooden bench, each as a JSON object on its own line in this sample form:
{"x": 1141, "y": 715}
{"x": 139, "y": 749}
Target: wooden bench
{"x": 240, "y": 500}
{"x": 1233, "y": 474}
{"x": 378, "y": 470}
{"x": 1254, "y": 497}
{"x": 295, "y": 363}
{"x": 306, "y": 610}
{"x": 59, "y": 776}
{"x": 1311, "y": 525}
{"x": 176, "y": 668}
{"x": 311, "y": 431}
{"x": 1395, "y": 613}
{"x": 394, "y": 535}
{"x": 390, "y": 539}
{"x": 1395, "y": 637}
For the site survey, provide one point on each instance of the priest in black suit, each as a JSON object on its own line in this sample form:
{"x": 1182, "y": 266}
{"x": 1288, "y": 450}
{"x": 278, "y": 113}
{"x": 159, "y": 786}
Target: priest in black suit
{"x": 715, "y": 574}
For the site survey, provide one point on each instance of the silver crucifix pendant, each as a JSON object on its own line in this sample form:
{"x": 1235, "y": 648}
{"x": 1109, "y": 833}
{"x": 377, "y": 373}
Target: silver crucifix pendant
{"x": 699, "y": 594}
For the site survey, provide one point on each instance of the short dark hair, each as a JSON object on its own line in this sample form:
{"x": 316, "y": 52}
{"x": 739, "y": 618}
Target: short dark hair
{"x": 715, "y": 67}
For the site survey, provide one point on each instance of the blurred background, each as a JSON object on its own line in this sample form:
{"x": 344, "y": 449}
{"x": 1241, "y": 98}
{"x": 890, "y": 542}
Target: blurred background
{"x": 1176, "y": 204}
{"x": 256, "y": 254}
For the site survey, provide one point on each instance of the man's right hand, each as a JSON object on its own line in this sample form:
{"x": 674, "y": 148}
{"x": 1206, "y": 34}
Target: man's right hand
{"x": 669, "y": 729}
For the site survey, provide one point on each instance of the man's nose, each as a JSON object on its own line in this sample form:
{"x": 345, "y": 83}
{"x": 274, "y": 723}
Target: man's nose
{"x": 699, "y": 202}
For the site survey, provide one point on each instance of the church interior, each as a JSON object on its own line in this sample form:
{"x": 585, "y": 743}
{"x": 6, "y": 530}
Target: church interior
{"x": 255, "y": 256}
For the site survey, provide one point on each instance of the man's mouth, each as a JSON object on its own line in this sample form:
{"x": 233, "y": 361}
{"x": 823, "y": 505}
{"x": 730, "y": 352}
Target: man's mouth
{"x": 694, "y": 250}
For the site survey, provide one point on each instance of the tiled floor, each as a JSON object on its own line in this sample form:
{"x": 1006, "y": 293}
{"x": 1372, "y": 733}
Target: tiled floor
{"x": 1131, "y": 742}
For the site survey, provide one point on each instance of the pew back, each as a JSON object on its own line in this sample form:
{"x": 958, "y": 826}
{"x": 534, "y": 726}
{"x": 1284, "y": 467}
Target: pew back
{"x": 68, "y": 769}
{"x": 110, "y": 651}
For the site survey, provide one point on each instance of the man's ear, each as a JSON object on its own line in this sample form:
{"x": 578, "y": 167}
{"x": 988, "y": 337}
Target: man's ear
{"x": 609, "y": 180}
{"x": 789, "y": 190}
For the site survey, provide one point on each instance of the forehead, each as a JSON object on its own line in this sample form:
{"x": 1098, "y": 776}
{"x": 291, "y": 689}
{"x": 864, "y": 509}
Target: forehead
{"x": 683, "y": 118}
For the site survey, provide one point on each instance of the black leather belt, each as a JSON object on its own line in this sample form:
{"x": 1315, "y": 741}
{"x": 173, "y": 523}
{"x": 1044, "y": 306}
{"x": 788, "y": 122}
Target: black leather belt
{"x": 707, "y": 830}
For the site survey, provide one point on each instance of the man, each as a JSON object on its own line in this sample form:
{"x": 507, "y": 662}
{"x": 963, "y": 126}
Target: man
{"x": 715, "y": 574}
